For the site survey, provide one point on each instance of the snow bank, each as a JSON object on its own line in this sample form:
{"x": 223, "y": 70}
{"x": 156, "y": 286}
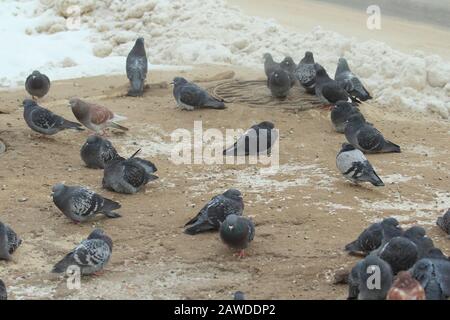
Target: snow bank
{"x": 181, "y": 32}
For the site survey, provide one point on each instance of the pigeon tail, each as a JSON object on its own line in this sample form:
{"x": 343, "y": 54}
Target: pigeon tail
{"x": 118, "y": 126}
{"x": 391, "y": 147}
{"x": 111, "y": 214}
{"x": 110, "y": 205}
{"x": 137, "y": 87}
{"x": 198, "y": 227}
{"x": 376, "y": 180}
{"x": 215, "y": 104}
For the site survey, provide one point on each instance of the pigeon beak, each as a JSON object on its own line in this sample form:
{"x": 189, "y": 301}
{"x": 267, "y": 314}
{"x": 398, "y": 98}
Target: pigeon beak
{"x": 172, "y": 83}
{"x": 231, "y": 228}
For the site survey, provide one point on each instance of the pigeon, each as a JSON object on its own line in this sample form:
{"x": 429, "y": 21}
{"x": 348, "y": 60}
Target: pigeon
{"x": 44, "y": 121}
{"x": 444, "y": 222}
{"x": 37, "y": 84}
{"x": 215, "y": 212}
{"x": 340, "y": 113}
{"x": 279, "y": 83}
{"x": 435, "y": 253}
{"x": 239, "y": 295}
{"x": 289, "y": 66}
{"x": 9, "y": 242}
{"x": 400, "y": 252}
{"x": 418, "y": 235}
{"x": 352, "y": 163}
{"x": 95, "y": 117}
{"x": 189, "y": 96}
{"x": 306, "y": 73}
{"x": 90, "y": 256}
{"x": 405, "y": 287}
{"x": 270, "y": 65}
{"x": 137, "y": 65}
{"x": 374, "y": 236}
{"x": 367, "y": 138}
{"x": 80, "y": 204}
{"x": 434, "y": 276}
{"x": 370, "y": 279}
{"x": 328, "y": 90}
{"x": 237, "y": 232}
{"x": 258, "y": 139}
{"x": 97, "y": 151}
{"x": 128, "y": 175}
{"x": 3, "y": 293}
{"x": 348, "y": 81}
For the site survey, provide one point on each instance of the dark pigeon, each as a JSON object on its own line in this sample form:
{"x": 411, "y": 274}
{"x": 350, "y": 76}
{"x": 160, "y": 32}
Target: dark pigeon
{"x": 350, "y": 82}
{"x": 367, "y": 138}
{"x": 137, "y": 65}
{"x": 128, "y": 175}
{"x": 189, "y": 96}
{"x": 306, "y": 73}
{"x": 258, "y": 139}
{"x": 97, "y": 151}
{"x": 80, "y": 204}
{"x": 400, "y": 252}
{"x": 37, "y": 84}
{"x": 434, "y": 276}
{"x": 279, "y": 83}
{"x": 3, "y": 293}
{"x": 328, "y": 90}
{"x": 9, "y": 242}
{"x": 418, "y": 235}
{"x": 215, "y": 212}
{"x": 237, "y": 232}
{"x": 340, "y": 113}
{"x": 44, "y": 121}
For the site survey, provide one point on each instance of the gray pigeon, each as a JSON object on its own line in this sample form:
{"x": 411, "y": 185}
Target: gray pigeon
{"x": 80, "y": 204}
{"x": 3, "y": 293}
{"x": 400, "y": 252}
{"x": 444, "y": 222}
{"x": 37, "y": 84}
{"x": 374, "y": 236}
{"x": 289, "y": 66}
{"x": 44, "y": 121}
{"x": 258, "y": 139}
{"x": 97, "y": 151}
{"x": 9, "y": 242}
{"x": 215, "y": 212}
{"x": 137, "y": 65}
{"x": 367, "y": 138}
{"x": 306, "y": 73}
{"x": 239, "y": 295}
{"x": 279, "y": 83}
{"x": 90, "y": 256}
{"x": 128, "y": 175}
{"x": 237, "y": 232}
{"x": 435, "y": 253}
{"x": 328, "y": 90}
{"x": 270, "y": 65}
{"x": 418, "y": 235}
{"x": 189, "y": 96}
{"x": 371, "y": 288}
{"x": 340, "y": 113}
{"x": 434, "y": 276}
{"x": 352, "y": 163}
{"x": 350, "y": 82}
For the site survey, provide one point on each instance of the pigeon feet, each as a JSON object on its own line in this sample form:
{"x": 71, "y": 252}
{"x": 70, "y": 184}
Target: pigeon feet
{"x": 240, "y": 254}
{"x": 327, "y": 107}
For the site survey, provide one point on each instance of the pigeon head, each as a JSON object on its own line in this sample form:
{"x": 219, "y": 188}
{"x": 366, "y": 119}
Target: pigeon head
{"x": 320, "y": 71}
{"x": 415, "y": 232}
{"x": 309, "y": 57}
{"x": 266, "y": 125}
{"x": 231, "y": 224}
{"x": 391, "y": 228}
{"x": 100, "y": 234}
{"x": 233, "y": 194}
{"x": 75, "y": 102}
{"x": 140, "y": 40}
{"x": 342, "y": 66}
{"x": 35, "y": 74}
{"x": 93, "y": 139}
{"x": 239, "y": 295}
{"x": 347, "y": 147}
{"x": 28, "y": 103}
{"x": 58, "y": 189}
{"x": 344, "y": 106}
{"x": 280, "y": 76}
{"x": 267, "y": 57}
{"x": 139, "y": 47}
{"x": 423, "y": 270}
{"x": 288, "y": 64}
{"x": 178, "y": 81}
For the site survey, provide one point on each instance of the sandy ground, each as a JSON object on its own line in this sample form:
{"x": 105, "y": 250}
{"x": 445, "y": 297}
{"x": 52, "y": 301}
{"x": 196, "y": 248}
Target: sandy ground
{"x": 399, "y": 33}
{"x": 305, "y": 212}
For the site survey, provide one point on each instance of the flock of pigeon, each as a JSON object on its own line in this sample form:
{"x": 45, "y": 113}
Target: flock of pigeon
{"x": 385, "y": 244}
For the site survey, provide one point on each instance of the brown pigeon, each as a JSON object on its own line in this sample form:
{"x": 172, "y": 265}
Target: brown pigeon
{"x": 405, "y": 287}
